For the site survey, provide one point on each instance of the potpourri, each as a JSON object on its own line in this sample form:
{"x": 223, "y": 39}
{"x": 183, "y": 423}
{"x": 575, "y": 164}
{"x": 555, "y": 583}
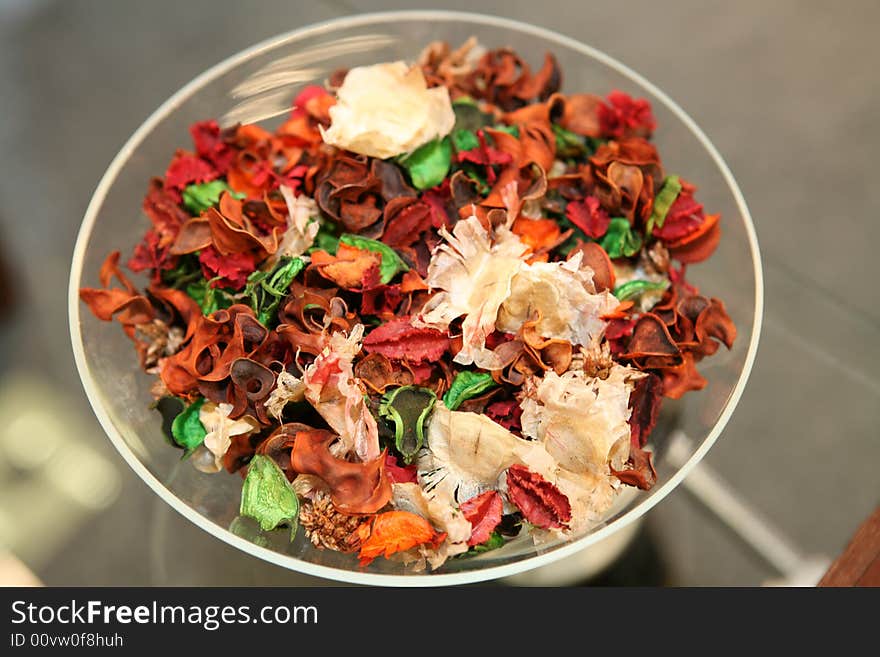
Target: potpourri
{"x": 437, "y": 307}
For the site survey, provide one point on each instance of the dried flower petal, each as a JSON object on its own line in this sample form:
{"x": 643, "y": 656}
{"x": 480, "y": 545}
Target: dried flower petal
{"x": 393, "y": 531}
{"x": 541, "y": 503}
{"x": 354, "y": 487}
{"x": 385, "y": 110}
{"x": 484, "y": 513}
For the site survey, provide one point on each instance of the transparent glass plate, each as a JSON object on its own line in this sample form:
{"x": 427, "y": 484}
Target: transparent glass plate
{"x": 119, "y": 391}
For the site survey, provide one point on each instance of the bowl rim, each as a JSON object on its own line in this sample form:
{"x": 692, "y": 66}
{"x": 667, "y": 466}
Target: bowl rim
{"x": 380, "y": 579}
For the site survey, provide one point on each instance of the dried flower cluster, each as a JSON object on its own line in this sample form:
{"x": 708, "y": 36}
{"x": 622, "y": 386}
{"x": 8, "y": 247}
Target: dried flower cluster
{"x": 438, "y": 305}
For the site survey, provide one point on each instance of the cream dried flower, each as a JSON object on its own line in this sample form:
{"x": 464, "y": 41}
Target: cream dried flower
{"x": 301, "y": 225}
{"x": 220, "y": 427}
{"x": 473, "y": 272}
{"x": 562, "y": 293}
{"x": 287, "y": 388}
{"x": 386, "y": 110}
{"x": 336, "y": 393}
{"x": 581, "y": 421}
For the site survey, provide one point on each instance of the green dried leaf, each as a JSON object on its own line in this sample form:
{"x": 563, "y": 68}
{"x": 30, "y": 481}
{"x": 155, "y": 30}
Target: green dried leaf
{"x": 428, "y": 164}
{"x": 633, "y": 289}
{"x": 467, "y": 384}
{"x": 198, "y": 198}
{"x": 187, "y": 429}
{"x": 408, "y": 409}
{"x": 620, "y": 240}
{"x": 266, "y": 289}
{"x": 494, "y": 542}
{"x": 464, "y": 140}
{"x": 509, "y": 129}
{"x": 391, "y": 262}
{"x": 268, "y": 497}
{"x": 326, "y": 239}
{"x": 468, "y": 116}
{"x": 210, "y": 299}
{"x": 187, "y": 271}
{"x": 662, "y": 202}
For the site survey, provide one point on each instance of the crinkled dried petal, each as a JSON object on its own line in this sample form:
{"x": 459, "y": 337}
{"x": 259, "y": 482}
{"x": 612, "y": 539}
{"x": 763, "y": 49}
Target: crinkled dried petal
{"x": 582, "y": 422}
{"x": 354, "y": 487}
{"x": 563, "y": 294}
{"x": 385, "y": 110}
{"x": 541, "y": 503}
{"x": 473, "y": 273}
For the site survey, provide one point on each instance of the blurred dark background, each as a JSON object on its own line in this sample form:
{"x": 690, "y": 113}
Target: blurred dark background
{"x": 789, "y": 93}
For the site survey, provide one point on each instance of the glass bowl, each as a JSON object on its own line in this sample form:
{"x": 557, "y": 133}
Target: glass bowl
{"x": 119, "y": 391}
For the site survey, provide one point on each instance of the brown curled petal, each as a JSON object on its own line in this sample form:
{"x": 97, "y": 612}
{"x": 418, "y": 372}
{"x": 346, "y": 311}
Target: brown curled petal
{"x": 110, "y": 270}
{"x": 299, "y": 340}
{"x": 645, "y": 402}
{"x": 538, "y": 144}
{"x": 595, "y": 257}
{"x": 507, "y": 352}
{"x": 104, "y": 303}
{"x": 376, "y": 371}
{"x": 392, "y": 182}
{"x": 464, "y": 190}
{"x": 650, "y": 338}
{"x": 254, "y": 379}
{"x": 641, "y": 472}
{"x": 229, "y": 237}
{"x": 557, "y": 355}
{"x": 543, "y": 83}
{"x": 580, "y": 114}
{"x": 354, "y": 487}
{"x": 180, "y": 303}
{"x": 682, "y": 378}
{"x": 194, "y": 235}
{"x": 714, "y": 322}
{"x": 278, "y": 445}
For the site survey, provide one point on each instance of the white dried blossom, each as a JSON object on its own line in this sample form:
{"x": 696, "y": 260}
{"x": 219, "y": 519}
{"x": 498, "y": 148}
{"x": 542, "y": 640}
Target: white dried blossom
{"x": 581, "y": 420}
{"x": 473, "y": 271}
{"x": 220, "y": 427}
{"x": 302, "y": 225}
{"x": 563, "y": 295}
{"x": 386, "y": 110}
{"x": 334, "y": 391}
{"x": 288, "y": 388}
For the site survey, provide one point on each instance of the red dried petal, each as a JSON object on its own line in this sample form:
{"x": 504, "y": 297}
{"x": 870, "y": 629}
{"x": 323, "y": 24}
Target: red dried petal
{"x": 685, "y": 215}
{"x": 149, "y": 254}
{"x": 623, "y": 116}
{"x": 589, "y": 216}
{"x": 645, "y": 403}
{"x": 304, "y": 100}
{"x": 164, "y": 212}
{"x": 186, "y": 169}
{"x": 381, "y": 300}
{"x": 542, "y": 504}
{"x": 210, "y": 145}
{"x": 398, "y": 474}
{"x": 399, "y": 340}
{"x": 232, "y": 270}
{"x": 507, "y": 413}
{"x": 484, "y": 514}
